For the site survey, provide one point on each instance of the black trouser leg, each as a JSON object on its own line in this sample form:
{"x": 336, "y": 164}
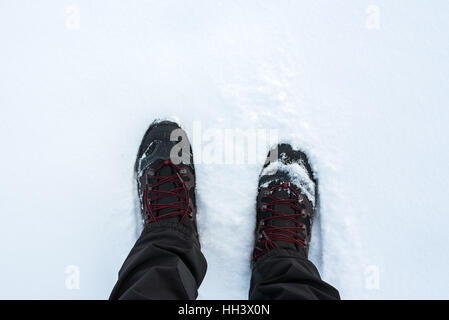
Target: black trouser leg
{"x": 285, "y": 275}
{"x": 165, "y": 263}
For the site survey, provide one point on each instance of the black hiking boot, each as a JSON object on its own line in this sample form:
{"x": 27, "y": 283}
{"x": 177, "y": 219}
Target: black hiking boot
{"x": 286, "y": 202}
{"x": 166, "y": 176}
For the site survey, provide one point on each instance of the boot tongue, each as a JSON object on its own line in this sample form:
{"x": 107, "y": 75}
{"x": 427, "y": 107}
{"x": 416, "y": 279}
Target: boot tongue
{"x": 167, "y": 171}
{"x": 286, "y": 210}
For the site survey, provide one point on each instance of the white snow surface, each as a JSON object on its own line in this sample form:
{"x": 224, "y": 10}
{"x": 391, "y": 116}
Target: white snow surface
{"x": 361, "y": 86}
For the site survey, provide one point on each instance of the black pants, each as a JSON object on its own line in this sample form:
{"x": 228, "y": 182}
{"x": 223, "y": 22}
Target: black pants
{"x": 167, "y": 263}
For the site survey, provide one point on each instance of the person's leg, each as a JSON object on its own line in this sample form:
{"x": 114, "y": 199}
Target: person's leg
{"x": 285, "y": 209}
{"x": 284, "y": 274}
{"x": 166, "y": 261}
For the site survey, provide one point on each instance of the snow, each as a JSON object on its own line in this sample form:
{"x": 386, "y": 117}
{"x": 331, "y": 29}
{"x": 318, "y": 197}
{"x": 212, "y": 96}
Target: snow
{"x": 297, "y": 173}
{"x": 361, "y": 86}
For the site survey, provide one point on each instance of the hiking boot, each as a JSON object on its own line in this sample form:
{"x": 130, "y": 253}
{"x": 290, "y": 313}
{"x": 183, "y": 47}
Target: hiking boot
{"x": 286, "y": 202}
{"x": 166, "y": 176}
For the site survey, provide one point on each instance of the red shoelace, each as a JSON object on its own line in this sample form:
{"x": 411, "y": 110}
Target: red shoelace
{"x": 152, "y": 196}
{"x": 269, "y": 234}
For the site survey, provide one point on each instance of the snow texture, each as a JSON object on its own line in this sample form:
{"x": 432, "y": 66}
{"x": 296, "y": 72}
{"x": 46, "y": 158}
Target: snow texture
{"x": 298, "y": 174}
{"x": 360, "y": 86}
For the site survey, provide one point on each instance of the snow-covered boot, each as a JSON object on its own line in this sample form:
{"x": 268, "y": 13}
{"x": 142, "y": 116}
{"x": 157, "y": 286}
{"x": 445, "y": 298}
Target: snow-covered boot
{"x": 286, "y": 202}
{"x": 166, "y": 176}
